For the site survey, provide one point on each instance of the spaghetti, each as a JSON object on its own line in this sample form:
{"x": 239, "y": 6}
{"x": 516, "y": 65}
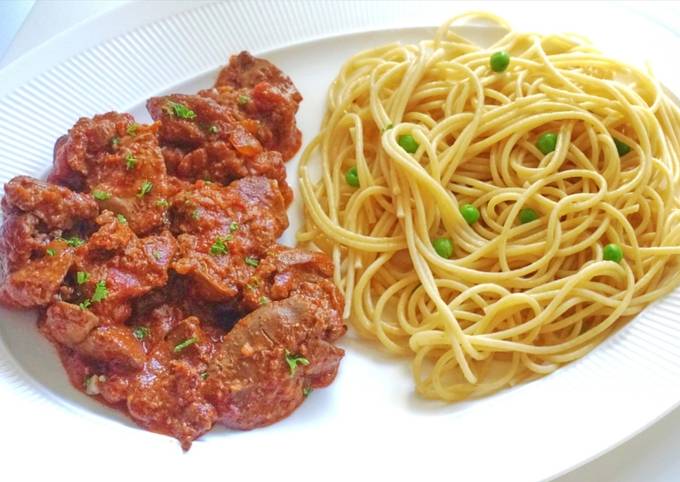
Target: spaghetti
{"x": 414, "y": 133}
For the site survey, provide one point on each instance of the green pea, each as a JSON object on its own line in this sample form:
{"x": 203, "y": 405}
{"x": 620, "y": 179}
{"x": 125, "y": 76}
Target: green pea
{"x": 621, "y": 147}
{"x": 547, "y": 142}
{"x": 527, "y": 215}
{"x": 352, "y": 177}
{"x": 443, "y": 247}
{"x": 612, "y": 252}
{"x": 499, "y": 61}
{"x": 470, "y": 213}
{"x": 408, "y": 143}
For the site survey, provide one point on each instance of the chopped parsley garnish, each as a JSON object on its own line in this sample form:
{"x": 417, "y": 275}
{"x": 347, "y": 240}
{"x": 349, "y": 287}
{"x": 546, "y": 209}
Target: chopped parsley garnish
{"x": 100, "y": 292}
{"x": 306, "y": 391}
{"x": 264, "y": 300}
{"x": 162, "y": 203}
{"x": 82, "y": 277}
{"x": 196, "y": 215}
{"x": 101, "y": 195}
{"x": 213, "y": 129}
{"x": 180, "y": 110}
{"x": 295, "y": 360}
{"x": 188, "y": 342}
{"x": 74, "y": 242}
{"x": 141, "y": 332}
{"x": 157, "y": 255}
{"x": 50, "y": 252}
{"x": 233, "y": 226}
{"x": 115, "y": 140}
{"x": 146, "y": 188}
{"x": 204, "y": 375}
{"x": 130, "y": 161}
{"x": 250, "y": 261}
{"x": 219, "y": 248}
{"x": 388, "y": 127}
{"x": 243, "y": 99}
{"x": 121, "y": 219}
{"x": 132, "y": 129}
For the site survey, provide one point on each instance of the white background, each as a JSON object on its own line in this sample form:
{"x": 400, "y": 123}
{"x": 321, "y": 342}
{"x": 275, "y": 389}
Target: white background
{"x": 650, "y": 456}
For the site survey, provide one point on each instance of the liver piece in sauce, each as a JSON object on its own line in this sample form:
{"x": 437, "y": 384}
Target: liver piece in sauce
{"x": 127, "y": 266}
{"x": 56, "y": 206}
{"x": 85, "y": 142}
{"x": 264, "y": 97}
{"x": 35, "y": 283}
{"x": 120, "y": 163}
{"x": 251, "y": 381}
{"x": 34, "y": 257}
{"x": 166, "y": 395}
{"x": 208, "y": 142}
{"x": 222, "y": 232}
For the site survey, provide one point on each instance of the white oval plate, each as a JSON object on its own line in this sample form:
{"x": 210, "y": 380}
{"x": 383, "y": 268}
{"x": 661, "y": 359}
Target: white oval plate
{"x": 368, "y": 423}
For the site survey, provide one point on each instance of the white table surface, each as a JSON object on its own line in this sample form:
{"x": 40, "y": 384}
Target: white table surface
{"x": 651, "y": 456}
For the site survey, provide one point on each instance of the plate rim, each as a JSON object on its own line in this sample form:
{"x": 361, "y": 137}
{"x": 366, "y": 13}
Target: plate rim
{"x": 5, "y": 352}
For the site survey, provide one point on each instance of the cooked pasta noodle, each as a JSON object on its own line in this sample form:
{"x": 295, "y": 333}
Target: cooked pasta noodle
{"x": 518, "y": 297}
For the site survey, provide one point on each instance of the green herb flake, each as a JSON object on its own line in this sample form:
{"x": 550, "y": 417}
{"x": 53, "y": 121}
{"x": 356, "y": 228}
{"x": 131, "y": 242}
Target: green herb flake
{"x": 295, "y": 360}
{"x": 204, "y": 375}
{"x": 101, "y": 195}
{"x": 188, "y": 342}
{"x": 250, "y": 261}
{"x": 180, "y": 110}
{"x": 264, "y": 300}
{"x": 85, "y": 304}
{"x": 74, "y": 242}
{"x": 163, "y": 203}
{"x": 388, "y": 127}
{"x": 196, "y": 215}
{"x": 50, "y": 252}
{"x": 141, "y": 332}
{"x": 115, "y": 140}
{"x": 233, "y": 226}
{"x": 219, "y": 248}
{"x": 130, "y": 161}
{"x": 243, "y": 99}
{"x": 157, "y": 255}
{"x": 82, "y": 277}
{"x": 121, "y": 219}
{"x": 213, "y": 129}
{"x": 100, "y": 292}
{"x": 146, "y": 188}
{"x": 306, "y": 391}
{"x": 132, "y": 129}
